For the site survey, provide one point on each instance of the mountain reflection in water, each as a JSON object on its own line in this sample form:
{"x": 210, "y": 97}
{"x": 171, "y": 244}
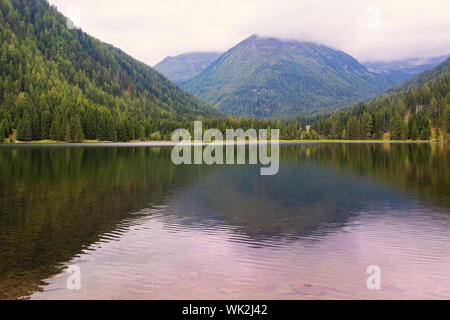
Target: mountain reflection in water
{"x": 140, "y": 227}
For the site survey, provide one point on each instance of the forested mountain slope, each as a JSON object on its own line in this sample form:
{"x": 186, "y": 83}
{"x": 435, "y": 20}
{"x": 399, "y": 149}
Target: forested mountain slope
{"x": 425, "y": 76}
{"x": 269, "y": 77}
{"x": 63, "y": 84}
{"x": 419, "y": 112}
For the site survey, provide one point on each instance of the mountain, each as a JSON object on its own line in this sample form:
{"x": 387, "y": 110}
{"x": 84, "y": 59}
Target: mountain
{"x": 417, "y": 109}
{"x": 63, "y": 84}
{"x": 401, "y": 70}
{"x": 425, "y": 76}
{"x": 186, "y": 66}
{"x": 269, "y": 77}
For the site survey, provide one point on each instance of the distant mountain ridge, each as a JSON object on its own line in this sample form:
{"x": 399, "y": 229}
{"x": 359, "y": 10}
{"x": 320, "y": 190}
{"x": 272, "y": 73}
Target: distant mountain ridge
{"x": 268, "y": 77}
{"x": 425, "y": 76}
{"x": 401, "y": 70}
{"x": 187, "y": 65}
{"x": 417, "y": 109}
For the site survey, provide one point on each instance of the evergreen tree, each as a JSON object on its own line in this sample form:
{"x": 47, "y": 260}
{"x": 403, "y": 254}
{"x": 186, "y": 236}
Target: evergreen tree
{"x": 46, "y": 122}
{"x": 352, "y": 128}
{"x": 2, "y": 133}
{"x": 56, "y": 128}
{"x": 111, "y": 133}
{"x": 5, "y": 125}
{"x": 67, "y": 135}
{"x": 24, "y": 131}
{"x": 446, "y": 119}
{"x": 366, "y": 126}
{"x": 141, "y": 133}
{"x": 435, "y": 111}
{"x": 396, "y": 127}
{"x": 102, "y": 129}
{"x": 404, "y": 131}
{"x": 76, "y": 132}
{"x": 425, "y": 133}
{"x": 414, "y": 130}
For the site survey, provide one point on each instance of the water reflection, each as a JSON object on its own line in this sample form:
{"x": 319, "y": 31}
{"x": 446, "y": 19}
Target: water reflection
{"x": 57, "y": 201}
{"x": 140, "y": 227}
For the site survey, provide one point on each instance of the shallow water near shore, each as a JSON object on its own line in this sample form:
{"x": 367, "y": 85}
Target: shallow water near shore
{"x": 139, "y": 227}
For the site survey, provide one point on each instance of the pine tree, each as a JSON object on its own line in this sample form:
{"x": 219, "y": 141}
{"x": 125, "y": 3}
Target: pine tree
{"x": 5, "y": 125}
{"x": 404, "y": 131}
{"x": 46, "y": 122}
{"x": 352, "y": 128}
{"x": 396, "y": 127}
{"x": 141, "y": 133}
{"x": 24, "y": 131}
{"x": 435, "y": 111}
{"x": 2, "y": 133}
{"x": 102, "y": 128}
{"x": 56, "y": 129}
{"x": 414, "y": 135}
{"x": 446, "y": 119}
{"x": 76, "y": 132}
{"x": 111, "y": 133}
{"x": 35, "y": 124}
{"x": 67, "y": 136}
{"x": 425, "y": 133}
{"x": 90, "y": 125}
{"x": 366, "y": 126}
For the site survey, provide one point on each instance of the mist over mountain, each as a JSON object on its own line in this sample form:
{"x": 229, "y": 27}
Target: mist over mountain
{"x": 187, "y": 65}
{"x": 401, "y": 70}
{"x": 425, "y": 76}
{"x": 269, "y": 77}
{"x": 417, "y": 109}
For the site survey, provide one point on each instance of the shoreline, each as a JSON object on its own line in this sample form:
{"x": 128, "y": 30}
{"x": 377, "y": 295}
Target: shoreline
{"x": 193, "y": 142}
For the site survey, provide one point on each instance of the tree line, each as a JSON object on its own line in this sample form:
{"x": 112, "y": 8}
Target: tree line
{"x": 420, "y": 113}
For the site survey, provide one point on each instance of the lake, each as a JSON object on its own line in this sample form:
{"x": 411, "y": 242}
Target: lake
{"x": 139, "y": 227}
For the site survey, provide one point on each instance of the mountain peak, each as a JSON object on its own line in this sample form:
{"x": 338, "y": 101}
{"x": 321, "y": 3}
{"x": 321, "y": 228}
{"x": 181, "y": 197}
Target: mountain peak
{"x": 267, "y": 76}
{"x": 274, "y": 39}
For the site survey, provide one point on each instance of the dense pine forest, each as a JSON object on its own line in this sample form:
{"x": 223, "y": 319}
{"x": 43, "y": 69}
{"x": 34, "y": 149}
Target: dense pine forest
{"x": 423, "y": 77}
{"x": 420, "y": 113}
{"x": 62, "y": 84}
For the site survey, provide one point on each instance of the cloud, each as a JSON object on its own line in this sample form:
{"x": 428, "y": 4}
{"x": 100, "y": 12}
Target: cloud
{"x": 150, "y": 30}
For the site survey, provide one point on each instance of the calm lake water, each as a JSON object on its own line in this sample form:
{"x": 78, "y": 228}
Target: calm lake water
{"x": 139, "y": 227}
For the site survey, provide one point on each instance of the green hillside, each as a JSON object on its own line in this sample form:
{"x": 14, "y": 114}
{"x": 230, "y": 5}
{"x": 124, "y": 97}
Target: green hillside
{"x": 425, "y": 76}
{"x": 62, "y": 84}
{"x": 421, "y": 111}
{"x": 186, "y": 66}
{"x": 268, "y": 77}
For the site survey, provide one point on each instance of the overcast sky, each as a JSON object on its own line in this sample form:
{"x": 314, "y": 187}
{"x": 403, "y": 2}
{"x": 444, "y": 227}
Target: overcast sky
{"x": 150, "y": 30}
